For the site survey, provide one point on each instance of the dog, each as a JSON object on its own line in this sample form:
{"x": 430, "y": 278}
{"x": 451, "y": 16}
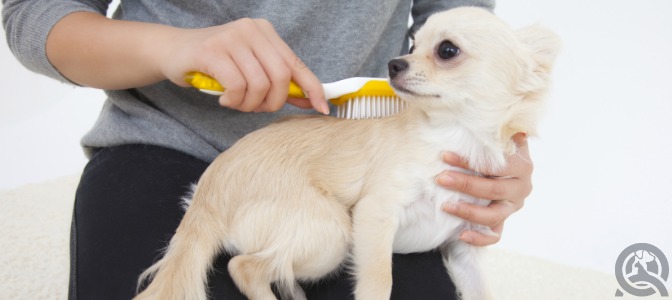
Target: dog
{"x": 294, "y": 200}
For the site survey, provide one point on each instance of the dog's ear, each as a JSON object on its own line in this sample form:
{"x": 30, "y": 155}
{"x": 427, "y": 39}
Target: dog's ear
{"x": 544, "y": 45}
{"x": 541, "y": 48}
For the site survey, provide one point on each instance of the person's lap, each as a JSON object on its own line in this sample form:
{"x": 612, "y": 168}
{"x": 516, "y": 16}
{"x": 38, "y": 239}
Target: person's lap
{"x": 128, "y": 206}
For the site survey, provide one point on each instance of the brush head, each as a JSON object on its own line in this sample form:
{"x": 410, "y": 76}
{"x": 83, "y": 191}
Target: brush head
{"x": 363, "y": 98}
{"x": 370, "y": 107}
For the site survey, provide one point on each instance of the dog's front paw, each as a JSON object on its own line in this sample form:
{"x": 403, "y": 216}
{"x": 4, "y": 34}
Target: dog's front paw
{"x": 370, "y": 293}
{"x": 372, "y": 286}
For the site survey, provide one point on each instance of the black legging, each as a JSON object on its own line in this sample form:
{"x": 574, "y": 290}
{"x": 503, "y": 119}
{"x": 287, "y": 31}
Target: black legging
{"x": 128, "y": 206}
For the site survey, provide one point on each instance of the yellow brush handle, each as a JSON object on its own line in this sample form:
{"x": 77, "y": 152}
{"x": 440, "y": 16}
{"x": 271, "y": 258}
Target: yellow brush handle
{"x": 205, "y": 82}
{"x": 375, "y": 88}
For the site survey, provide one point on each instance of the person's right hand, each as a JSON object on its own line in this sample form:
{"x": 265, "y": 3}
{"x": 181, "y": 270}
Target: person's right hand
{"x": 249, "y": 59}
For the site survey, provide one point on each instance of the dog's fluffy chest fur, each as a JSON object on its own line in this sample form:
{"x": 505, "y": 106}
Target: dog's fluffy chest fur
{"x": 423, "y": 225}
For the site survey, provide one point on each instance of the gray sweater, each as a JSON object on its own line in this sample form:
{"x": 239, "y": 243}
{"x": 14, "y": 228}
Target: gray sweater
{"x": 336, "y": 40}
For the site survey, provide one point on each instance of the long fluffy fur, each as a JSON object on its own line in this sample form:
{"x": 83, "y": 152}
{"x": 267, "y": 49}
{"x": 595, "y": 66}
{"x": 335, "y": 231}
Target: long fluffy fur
{"x": 292, "y": 201}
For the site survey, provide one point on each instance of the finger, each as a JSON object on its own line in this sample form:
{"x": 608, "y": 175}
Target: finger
{"x": 257, "y": 82}
{"x": 455, "y": 160}
{"x": 277, "y": 93}
{"x": 480, "y": 239}
{"x": 520, "y": 139}
{"x": 300, "y": 102}
{"x": 279, "y": 75}
{"x": 311, "y": 85}
{"x": 490, "y": 216}
{"x": 485, "y": 188}
{"x": 305, "y": 78}
{"x": 520, "y": 164}
{"x": 227, "y": 73}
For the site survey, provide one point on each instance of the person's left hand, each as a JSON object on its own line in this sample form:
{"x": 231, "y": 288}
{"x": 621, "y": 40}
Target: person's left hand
{"x": 507, "y": 194}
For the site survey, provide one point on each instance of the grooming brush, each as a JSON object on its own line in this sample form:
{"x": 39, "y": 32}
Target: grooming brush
{"x": 354, "y": 98}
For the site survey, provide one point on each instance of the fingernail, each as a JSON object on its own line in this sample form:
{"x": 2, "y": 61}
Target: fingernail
{"x": 450, "y": 157}
{"x": 450, "y": 207}
{"x": 223, "y": 101}
{"x": 445, "y": 179}
{"x": 325, "y": 107}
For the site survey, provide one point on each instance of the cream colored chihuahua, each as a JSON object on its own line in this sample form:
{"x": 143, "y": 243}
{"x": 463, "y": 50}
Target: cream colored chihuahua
{"x": 290, "y": 202}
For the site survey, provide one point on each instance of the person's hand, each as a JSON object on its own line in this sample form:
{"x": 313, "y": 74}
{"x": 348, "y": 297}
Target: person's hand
{"x": 249, "y": 59}
{"x": 507, "y": 194}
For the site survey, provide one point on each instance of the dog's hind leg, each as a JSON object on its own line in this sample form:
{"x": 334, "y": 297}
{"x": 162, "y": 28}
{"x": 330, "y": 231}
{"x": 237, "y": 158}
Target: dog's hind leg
{"x": 252, "y": 274}
{"x": 463, "y": 265}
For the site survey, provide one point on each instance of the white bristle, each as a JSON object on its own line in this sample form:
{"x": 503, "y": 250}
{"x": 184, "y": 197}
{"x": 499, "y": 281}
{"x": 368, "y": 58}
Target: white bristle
{"x": 370, "y": 107}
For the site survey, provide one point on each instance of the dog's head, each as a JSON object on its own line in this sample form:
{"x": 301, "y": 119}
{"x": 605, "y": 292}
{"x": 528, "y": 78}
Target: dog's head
{"x": 466, "y": 63}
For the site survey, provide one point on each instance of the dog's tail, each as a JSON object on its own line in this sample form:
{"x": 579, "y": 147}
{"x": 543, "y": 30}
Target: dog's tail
{"x": 182, "y": 273}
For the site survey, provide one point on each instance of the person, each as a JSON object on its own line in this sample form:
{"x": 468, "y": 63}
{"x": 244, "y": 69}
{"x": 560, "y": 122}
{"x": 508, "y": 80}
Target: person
{"x": 154, "y": 136}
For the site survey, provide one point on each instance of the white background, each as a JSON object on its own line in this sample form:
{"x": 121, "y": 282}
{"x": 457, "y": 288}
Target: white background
{"x": 603, "y": 162}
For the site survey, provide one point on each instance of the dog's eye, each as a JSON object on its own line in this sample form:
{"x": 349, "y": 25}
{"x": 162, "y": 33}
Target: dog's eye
{"x": 447, "y": 50}
{"x": 410, "y": 51}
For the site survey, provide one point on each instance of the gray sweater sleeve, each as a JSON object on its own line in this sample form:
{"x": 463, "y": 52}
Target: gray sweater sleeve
{"x": 28, "y": 23}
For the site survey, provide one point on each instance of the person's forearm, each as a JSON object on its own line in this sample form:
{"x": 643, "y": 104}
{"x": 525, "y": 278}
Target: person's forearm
{"x": 92, "y": 50}
{"x": 247, "y": 56}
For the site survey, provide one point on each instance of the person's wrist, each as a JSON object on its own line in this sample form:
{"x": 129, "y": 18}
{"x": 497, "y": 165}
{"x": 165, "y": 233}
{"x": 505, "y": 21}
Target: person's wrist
{"x": 160, "y": 53}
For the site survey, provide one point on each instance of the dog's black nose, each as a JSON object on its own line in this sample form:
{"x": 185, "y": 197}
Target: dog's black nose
{"x": 396, "y": 66}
